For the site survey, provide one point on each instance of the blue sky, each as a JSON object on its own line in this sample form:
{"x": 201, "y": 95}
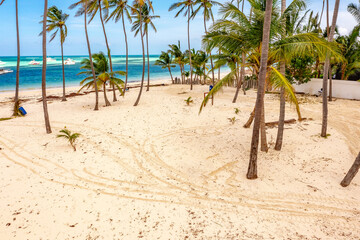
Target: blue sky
{"x": 170, "y": 29}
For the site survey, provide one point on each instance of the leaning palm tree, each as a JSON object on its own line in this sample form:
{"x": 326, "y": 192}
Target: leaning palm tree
{"x": 121, "y": 9}
{"x": 147, "y": 20}
{"x": 57, "y": 22}
{"x": 326, "y": 73}
{"x": 102, "y": 6}
{"x": 43, "y": 84}
{"x": 103, "y": 76}
{"x": 186, "y": 6}
{"x": 206, "y": 6}
{"x": 252, "y": 169}
{"x": 16, "y": 99}
{"x": 137, "y": 8}
{"x": 165, "y": 61}
{"x": 83, "y": 11}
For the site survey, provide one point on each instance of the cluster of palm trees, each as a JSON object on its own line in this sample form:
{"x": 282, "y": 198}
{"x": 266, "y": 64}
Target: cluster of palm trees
{"x": 266, "y": 41}
{"x": 199, "y": 59}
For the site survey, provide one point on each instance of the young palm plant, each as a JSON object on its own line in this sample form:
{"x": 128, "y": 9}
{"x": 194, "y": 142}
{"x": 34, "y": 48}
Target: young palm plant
{"x": 120, "y": 10}
{"x": 56, "y": 21}
{"x": 83, "y": 11}
{"x": 165, "y": 61}
{"x": 186, "y": 6}
{"x": 147, "y": 20}
{"x": 103, "y": 76}
{"x": 71, "y": 137}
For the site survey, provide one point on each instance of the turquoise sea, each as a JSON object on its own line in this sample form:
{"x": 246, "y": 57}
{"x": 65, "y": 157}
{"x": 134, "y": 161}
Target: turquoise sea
{"x": 30, "y": 75}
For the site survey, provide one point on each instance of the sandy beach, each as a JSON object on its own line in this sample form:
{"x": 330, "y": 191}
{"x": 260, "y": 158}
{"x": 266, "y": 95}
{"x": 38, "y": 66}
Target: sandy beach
{"x": 162, "y": 171}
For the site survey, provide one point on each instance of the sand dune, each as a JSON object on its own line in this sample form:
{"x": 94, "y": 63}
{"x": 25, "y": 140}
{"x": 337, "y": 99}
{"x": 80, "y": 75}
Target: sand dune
{"x": 161, "y": 171}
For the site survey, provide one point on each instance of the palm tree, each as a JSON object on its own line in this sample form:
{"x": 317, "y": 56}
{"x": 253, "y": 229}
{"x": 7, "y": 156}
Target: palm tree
{"x": 186, "y": 6}
{"x": 83, "y": 11}
{"x": 71, "y": 137}
{"x": 147, "y": 20}
{"x": 57, "y": 22}
{"x": 137, "y": 8}
{"x": 121, "y": 8}
{"x": 103, "y": 76}
{"x": 354, "y": 10}
{"x": 175, "y": 51}
{"x": 326, "y": 73}
{"x": 252, "y": 169}
{"x": 43, "y": 85}
{"x": 94, "y": 7}
{"x": 280, "y": 133}
{"x": 165, "y": 61}
{"x": 16, "y": 99}
{"x": 350, "y": 48}
{"x": 207, "y": 5}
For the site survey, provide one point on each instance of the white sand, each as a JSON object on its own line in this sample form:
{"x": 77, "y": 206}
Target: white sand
{"x": 161, "y": 171}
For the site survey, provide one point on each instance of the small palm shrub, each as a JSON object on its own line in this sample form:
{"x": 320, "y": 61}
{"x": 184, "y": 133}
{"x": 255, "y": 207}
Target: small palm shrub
{"x": 237, "y": 110}
{"x": 232, "y": 120}
{"x": 71, "y": 137}
{"x": 188, "y": 101}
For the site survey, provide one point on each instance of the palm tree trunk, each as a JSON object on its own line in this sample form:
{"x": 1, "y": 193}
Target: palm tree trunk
{"x": 16, "y": 99}
{"x": 91, "y": 61}
{"x": 250, "y": 120}
{"x": 330, "y": 87}
{"x": 264, "y": 145}
{"x": 107, "y": 103}
{"x": 322, "y": 11}
{"x": 242, "y": 73}
{"x": 326, "y": 73}
{"x": 63, "y": 71}
{"x": 188, "y": 30}
{"x": 238, "y": 83}
{"x": 280, "y": 133}
{"x": 148, "y": 60}
{"x": 43, "y": 83}
{"x": 252, "y": 169}
{"x": 212, "y": 64}
{"x": 182, "y": 76}
{"x": 143, "y": 51}
{"x": 108, "y": 48}
{"x": 127, "y": 55}
{"x": 172, "y": 80}
{"x": 352, "y": 172}
{"x": 219, "y": 74}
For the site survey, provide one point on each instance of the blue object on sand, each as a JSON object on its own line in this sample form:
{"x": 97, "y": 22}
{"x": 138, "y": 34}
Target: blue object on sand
{"x": 210, "y": 87}
{"x": 22, "y": 111}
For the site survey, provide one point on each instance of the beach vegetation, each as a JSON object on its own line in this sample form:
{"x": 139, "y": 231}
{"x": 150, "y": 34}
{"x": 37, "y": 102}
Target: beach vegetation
{"x": 71, "y": 137}
{"x": 188, "y": 101}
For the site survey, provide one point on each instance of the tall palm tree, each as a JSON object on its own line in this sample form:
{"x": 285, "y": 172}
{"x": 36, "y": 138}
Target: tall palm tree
{"x": 16, "y": 99}
{"x": 103, "y": 76}
{"x": 57, "y": 22}
{"x": 186, "y": 6}
{"x": 121, "y": 9}
{"x": 280, "y": 133}
{"x": 252, "y": 169}
{"x": 326, "y": 72}
{"x": 137, "y": 8}
{"x": 147, "y": 20}
{"x": 100, "y": 6}
{"x": 207, "y": 5}
{"x": 165, "y": 61}
{"x": 43, "y": 84}
{"x": 83, "y": 11}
